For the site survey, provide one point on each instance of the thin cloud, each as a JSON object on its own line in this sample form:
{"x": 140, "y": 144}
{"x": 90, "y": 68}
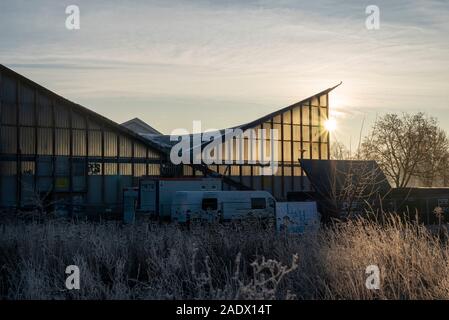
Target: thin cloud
{"x": 199, "y": 58}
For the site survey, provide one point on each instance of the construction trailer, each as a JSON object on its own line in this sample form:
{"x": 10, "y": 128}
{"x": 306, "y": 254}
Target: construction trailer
{"x": 222, "y": 206}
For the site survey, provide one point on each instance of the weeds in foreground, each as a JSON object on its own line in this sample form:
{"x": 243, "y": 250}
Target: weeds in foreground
{"x": 153, "y": 261}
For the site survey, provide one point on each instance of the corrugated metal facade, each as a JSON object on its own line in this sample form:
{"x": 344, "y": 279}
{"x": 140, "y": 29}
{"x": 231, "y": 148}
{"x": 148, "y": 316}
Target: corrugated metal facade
{"x": 57, "y": 152}
{"x": 301, "y": 135}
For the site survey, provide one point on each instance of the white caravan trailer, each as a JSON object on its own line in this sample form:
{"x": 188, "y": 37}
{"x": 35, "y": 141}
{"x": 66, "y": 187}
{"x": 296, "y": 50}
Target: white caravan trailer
{"x": 214, "y": 206}
{"x": 155, "y": 195}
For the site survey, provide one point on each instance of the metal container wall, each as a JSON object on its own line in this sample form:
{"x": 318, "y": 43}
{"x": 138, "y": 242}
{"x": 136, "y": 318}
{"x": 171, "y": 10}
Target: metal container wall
{"x": 8, "y": 140}
{"x": 110, "y": 144}
{"x": 79, "y": 142}
{"x": 8, "y": 177}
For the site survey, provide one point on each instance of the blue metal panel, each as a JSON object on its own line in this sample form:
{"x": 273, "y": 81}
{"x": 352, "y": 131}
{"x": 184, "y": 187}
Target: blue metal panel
{"x": 8, "y": 191}
{"x": 287, "y": 185}
{"x": 62, "y": 172}
{"x": 277, "y": 187}
{"x": 29, "y": 197}
{"x": 125, "y": 182}
{"x": 62, "y": 205}
{"x": 44, "y": 184}
{"x": 257, "y": 180}
{"x": 129, "y": 205}
{"x": 79, "y": 175}
{"x": 44, "y": 169}
{"x": 111, "y": 185}
{"x": 246, "y": 180}
{"x": 297, "y": 182}
{"x": 94, "y": 190}
{"x": 79, "y": 183}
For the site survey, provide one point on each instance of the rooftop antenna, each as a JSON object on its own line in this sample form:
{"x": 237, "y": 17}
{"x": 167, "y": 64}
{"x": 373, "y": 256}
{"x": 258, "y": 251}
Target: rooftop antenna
{"x": 360, "y": 135}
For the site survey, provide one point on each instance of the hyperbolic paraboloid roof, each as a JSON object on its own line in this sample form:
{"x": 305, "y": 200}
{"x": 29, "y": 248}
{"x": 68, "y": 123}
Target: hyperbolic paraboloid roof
{"x": 165, "y": 142}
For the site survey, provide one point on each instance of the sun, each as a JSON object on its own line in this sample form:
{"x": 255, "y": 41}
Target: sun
{"x": 330, "y": 125}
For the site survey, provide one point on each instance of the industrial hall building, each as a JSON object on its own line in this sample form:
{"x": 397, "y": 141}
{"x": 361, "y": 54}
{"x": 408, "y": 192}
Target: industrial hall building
{"x": 55, "y": 152}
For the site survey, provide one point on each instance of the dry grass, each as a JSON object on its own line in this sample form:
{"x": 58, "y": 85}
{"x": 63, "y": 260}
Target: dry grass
{"x": 152, "y": 261}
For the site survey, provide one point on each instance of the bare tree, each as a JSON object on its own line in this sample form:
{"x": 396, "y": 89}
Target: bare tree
{"x": 339, "y": 151}
{"x": 406, "y": 147}
{"x": 356, "y": 186}
{"x": 434, "y": 170}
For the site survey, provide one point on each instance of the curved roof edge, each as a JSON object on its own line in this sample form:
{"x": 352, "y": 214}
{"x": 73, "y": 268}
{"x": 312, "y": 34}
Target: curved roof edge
{"x": 280, "y": 111}
{"x": 165, "y": 142}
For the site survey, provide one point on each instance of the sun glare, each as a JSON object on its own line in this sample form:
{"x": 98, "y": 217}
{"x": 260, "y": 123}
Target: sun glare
{"x": 330, "y": 125}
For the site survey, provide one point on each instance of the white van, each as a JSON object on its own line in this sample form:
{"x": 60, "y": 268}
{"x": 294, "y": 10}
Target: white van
{"x": 215, "y": 206}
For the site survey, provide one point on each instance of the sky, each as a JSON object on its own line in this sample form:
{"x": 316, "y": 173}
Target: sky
{"x": 229, "y": 62}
